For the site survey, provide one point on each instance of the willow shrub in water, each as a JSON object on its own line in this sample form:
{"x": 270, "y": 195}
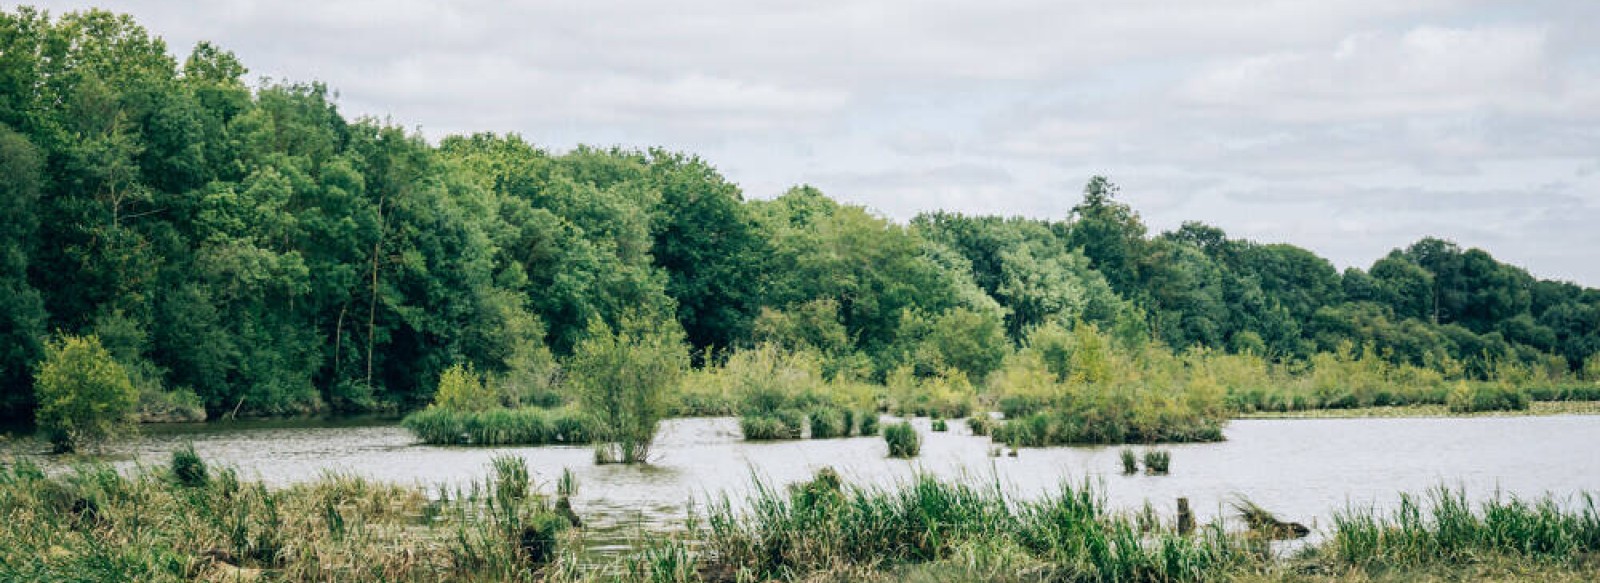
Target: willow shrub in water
{"x": 626, "y": 377}
{"x": 903, "y": 440}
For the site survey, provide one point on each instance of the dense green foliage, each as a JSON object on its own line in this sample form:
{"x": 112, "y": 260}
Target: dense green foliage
{"x": 85, "y": 396}
{"x": 252, "y": 251}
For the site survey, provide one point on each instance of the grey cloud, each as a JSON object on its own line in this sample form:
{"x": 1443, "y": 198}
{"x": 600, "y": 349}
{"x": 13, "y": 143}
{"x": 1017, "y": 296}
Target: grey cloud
{"x": 1339, "y": 126}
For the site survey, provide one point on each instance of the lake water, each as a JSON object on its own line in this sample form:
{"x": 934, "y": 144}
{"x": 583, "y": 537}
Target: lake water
{"x": 1301, "y": 469}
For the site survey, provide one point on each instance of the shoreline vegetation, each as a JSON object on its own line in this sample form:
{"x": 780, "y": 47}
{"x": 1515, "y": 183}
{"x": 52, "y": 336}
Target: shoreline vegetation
{"x": 190, "y": 522}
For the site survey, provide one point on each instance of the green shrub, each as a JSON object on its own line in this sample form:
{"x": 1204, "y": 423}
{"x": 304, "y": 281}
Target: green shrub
{"x": 627, "y": 377}
{"x": 85, "y": 396}
{"x": 980, "y": 424}
{"x": 867, "y": 423}
{"x": 187, "y": 467}
{"x": 940, "y": 425}
{"x": 903, "y": 440}
{"x": 1486, "y": 397}
{"x": 461, "y": 389}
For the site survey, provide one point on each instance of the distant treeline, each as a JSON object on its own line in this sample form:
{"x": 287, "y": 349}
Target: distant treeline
{"x": 253, "y": 249}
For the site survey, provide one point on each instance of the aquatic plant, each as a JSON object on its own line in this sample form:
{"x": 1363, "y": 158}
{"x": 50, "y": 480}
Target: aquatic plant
{"x": 940, "y": 425}
{"x": 188, "y": 468}
{"x": 780, "y": 424}
{"x": 867, "y": 423}
{"x": 903, "y": 440}
{"x": 1156, "y": 461}
{"x": 980, "y": 424}
{"x": 1130, "y": 463}
{"x": 828, "y": 422}
{"x": 525, "y": 426}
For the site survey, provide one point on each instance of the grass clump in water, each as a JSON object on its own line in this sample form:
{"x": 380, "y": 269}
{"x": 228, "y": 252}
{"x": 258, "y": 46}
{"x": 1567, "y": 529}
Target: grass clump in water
{"x": 1156, "y": 462}
{"x": 940, "y": 425}
{"x": 903, "y": 440}
{"x": 780, "y": 424}
{"x": 828, "y": 422}
{"x": 1130, "y": 462}
{"x": 524, "y": 426}
{"x": 188, "y": 468}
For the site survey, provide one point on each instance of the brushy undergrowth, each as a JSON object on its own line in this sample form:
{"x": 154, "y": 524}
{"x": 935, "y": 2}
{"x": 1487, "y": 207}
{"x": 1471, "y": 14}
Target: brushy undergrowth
{"x": 92, "y": 523}
{"x": 524, "y": 426}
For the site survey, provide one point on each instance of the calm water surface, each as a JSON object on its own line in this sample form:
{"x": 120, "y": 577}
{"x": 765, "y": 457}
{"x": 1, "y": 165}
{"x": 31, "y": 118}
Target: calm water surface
{"x": 1302, "y": 469}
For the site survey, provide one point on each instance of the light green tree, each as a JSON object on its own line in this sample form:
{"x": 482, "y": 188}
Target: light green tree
{"x": 461, "y": 389}
{"x": 85, "y": 397}
{"x": 627, "y": 377}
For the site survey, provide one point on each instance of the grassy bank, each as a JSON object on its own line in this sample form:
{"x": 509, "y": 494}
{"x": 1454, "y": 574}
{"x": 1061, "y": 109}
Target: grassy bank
{"x": 187, "y": 522}
{"x": 928, "y": 530}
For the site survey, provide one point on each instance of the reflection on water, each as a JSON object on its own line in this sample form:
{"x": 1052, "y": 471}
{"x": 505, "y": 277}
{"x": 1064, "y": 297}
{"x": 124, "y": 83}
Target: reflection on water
{"x": 1301, "y": 469}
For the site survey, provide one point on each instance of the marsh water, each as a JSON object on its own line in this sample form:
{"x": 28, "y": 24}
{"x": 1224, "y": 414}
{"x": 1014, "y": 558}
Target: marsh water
{"x": 1301, "y": 469}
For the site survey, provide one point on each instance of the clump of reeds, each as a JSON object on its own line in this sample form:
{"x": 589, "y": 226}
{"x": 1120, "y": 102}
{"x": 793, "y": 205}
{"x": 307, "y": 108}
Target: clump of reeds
{"x": 867, "y": 423}
{"x": 940, "y": 425}
{"x": 525, "y": 426}
{"x": 1113, "y": 425}
{"x": 780, "y": 424}
{"x": 1130, "y": 462}
{"x": 1156, "y": 462}
{"x": 1443, "y": 528}
{"x": 828, "y": 422}
{"x": 188, "y": 468}
{"x": 903, "y": 440}
{"x": 980, "y": 424}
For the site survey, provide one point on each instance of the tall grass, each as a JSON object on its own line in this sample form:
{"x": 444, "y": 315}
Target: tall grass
{"x": 1442, "y": 527}
{"x": 93, "y": 523}
{"x": 1157, "y": 461}
{"x": 1067, "y": 536}
{"x": 525, "y": 426}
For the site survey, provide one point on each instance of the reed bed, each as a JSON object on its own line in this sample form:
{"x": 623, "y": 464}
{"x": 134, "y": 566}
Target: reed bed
{"x": 524, "y": 426}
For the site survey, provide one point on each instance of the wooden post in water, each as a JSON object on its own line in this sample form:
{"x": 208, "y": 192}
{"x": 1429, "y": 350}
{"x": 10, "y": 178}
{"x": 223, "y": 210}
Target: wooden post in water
{"x": 1185, "y": 517}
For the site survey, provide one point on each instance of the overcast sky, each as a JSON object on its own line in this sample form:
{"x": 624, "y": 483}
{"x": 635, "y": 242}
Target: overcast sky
{"x": 1349, "y": 127}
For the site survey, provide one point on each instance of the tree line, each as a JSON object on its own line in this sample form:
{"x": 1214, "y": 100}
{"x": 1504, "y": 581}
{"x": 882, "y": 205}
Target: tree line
{"x": 249, "y": 249}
